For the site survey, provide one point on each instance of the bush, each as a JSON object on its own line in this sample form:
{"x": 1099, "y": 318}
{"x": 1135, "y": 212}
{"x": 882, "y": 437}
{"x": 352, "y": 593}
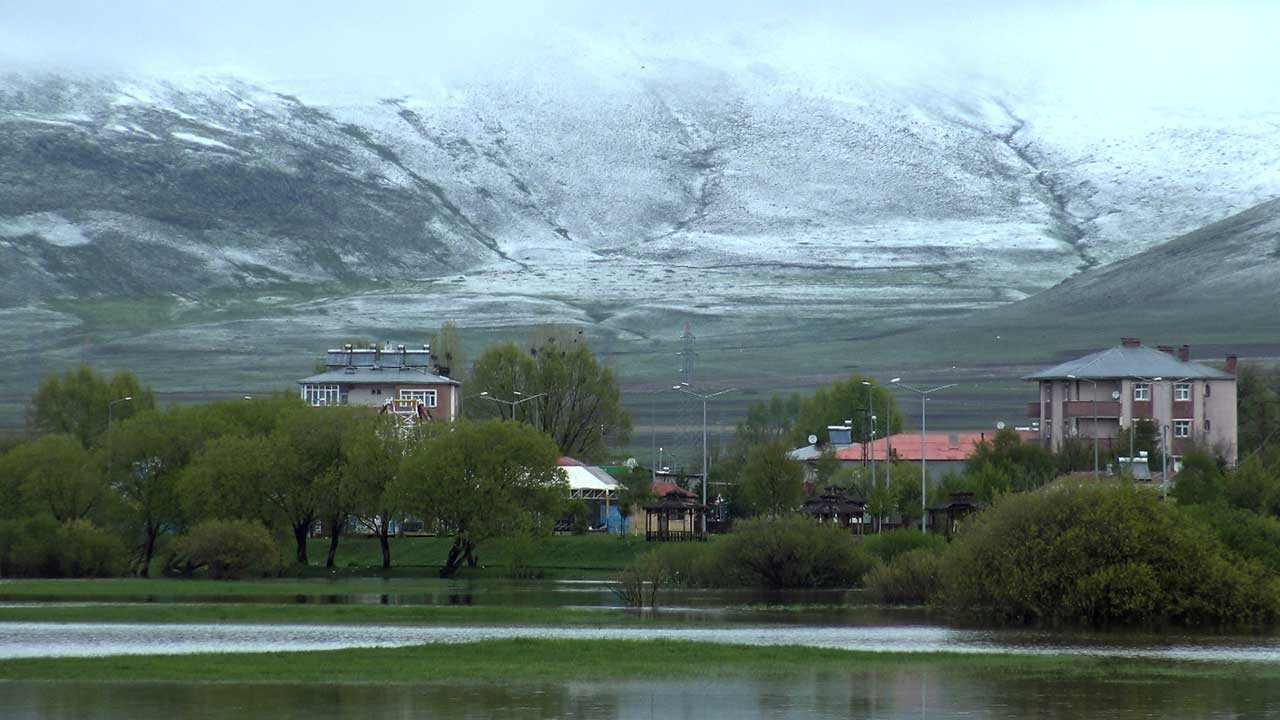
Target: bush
{"x": 517, "y": 552}
{"x": 1099, "y": 554}
{"x": 691, "y": 564}
{"x": 911, "y": 578}
{"x": 43, "y": 547}
{"x": 229, "y": 549}
{"x": 887, "y": 546}
{"x": 790, "y": 552}
{"x": 1247, "y": 534}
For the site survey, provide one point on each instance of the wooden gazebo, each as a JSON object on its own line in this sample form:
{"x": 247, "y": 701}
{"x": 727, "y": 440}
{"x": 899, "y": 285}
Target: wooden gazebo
{"x": 948, "y": 515}
{"x": 676, "y": 516}
{"x": 834, "y": 505}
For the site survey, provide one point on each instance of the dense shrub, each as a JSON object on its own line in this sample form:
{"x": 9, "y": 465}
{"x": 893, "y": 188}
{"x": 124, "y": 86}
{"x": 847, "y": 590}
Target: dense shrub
{"x": 911, "y": 578}
{"x": 887, "y": 546}
{"x": 518, "y": 552}
{"x": 790, "y": 552}
{"x": 692, "y": 564}
{"x": 1247, "y": 534}
{"x": 228, "y": 549}
{"x": 1099, "y": 554}
{"x": 43, "y": 547}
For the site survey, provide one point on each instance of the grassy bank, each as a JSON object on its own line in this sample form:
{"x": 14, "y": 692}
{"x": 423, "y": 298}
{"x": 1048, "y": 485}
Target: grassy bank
{"x": 521, "y": 660}
{"x": 591, "y": 555}
{"x": 328, "y": 614}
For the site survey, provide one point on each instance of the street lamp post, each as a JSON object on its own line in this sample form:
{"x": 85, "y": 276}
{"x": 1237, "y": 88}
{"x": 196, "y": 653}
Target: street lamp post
{"x": 1094, "y": 420}
{"x": 111, "y": 405}
{"x": 684, "y": 388}
{"x": 924, "y": 395}
{"x": 510, "y": 403}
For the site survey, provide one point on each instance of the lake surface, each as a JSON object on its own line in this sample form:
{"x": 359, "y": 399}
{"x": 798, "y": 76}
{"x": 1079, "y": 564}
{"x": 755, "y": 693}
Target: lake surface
{"x": 889, "y": 694}
{"x": 97, "y": 639}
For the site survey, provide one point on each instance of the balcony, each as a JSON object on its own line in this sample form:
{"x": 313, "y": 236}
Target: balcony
{"x": 1033, "y": 410}
{"x": 1088, "y": 408}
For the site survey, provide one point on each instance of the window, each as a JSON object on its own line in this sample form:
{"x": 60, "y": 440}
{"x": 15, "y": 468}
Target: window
{"x": 1182, "y": 392}
{"x": 1206, "y": 425}
{"x": 1142, "y": 391}
{"x": 322, "y": 394}
{"x": 426, "y": 397}
{"x": 1182, "y": 428}
{"x": 1206, "y": 390}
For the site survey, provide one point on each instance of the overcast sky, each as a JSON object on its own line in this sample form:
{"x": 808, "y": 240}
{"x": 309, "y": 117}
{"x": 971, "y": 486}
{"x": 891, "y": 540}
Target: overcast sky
{"x": 1217, "y": 54}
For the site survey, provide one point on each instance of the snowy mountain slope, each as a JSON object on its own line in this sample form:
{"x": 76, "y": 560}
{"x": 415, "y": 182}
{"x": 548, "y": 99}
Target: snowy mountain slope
{"x": 624, "y": 196}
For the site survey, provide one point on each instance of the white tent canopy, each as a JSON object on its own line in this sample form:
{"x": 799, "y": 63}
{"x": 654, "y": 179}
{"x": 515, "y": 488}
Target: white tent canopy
{"x": 590, "y": 483}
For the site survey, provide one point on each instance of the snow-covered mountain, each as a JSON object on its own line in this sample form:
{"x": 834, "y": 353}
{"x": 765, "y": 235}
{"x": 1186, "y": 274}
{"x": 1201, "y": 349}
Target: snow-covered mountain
{"x": 627, "y": 197}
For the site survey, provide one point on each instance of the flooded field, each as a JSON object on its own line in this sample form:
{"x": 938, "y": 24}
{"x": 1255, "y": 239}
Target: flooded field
{"x": 890, "y": 694}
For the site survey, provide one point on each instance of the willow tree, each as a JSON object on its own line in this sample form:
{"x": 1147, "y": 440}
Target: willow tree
{"x": 557, "y": 385}
{"x": 484, "y": 479}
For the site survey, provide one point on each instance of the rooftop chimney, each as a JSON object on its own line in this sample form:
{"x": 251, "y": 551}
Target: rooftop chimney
{"x": 1231, "y": 364}
{"x": 1165, "y": 349}
{"x": 1184, "y": 353}
{"x": 1130, "y": 342}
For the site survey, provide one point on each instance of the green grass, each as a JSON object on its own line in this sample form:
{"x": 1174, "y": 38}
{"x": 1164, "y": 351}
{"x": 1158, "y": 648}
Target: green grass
{"x": 562, "y": 555}
{"x": 526, "y": 659}
{"x": 329, "y": 614}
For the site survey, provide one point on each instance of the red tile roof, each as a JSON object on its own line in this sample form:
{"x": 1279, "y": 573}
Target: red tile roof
{"x": 940, "y": 446}
{"x": 569, "y": 462}
{"x": 662, "y": 487}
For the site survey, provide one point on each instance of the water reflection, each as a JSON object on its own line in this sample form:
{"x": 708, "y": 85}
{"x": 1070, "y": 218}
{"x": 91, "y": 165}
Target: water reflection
{"x": 877, "y": 693}
{"x": 95, "y": 639}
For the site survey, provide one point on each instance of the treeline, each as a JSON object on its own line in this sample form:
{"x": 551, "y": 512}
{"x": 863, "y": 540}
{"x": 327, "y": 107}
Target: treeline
{"x": 201, "y": 486}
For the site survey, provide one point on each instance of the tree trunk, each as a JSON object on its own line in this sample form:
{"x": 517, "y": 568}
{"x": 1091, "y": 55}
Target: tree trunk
{"x": 335, "y": 534}
{"x": 454, "y": 561}
{"x": 148, "y": 550}
{"x": 300, "y": 536}
{"x": 471, "y": 556}
{"x": 385, "y": 542}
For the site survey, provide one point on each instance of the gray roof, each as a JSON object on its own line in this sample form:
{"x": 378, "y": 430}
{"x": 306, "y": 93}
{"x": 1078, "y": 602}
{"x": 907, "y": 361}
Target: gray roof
{"x": 368, "y": 376}
{"x": 1130, "y": 362}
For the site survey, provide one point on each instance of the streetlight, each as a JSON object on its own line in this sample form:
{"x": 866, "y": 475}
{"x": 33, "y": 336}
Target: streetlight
{"x": 110, "y": 406}
{"x": 684, "y": 388}
{"x": 510, "y": 403}
{"x": 1094, "y": 421}
{"x": 924, "y": 395}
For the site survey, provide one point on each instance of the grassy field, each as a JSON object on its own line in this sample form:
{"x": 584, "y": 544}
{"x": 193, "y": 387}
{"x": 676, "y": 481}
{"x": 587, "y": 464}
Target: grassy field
{"x": 331, "y": 614}
{"x": 593, "y": 555}
{"x": 527, "y": 659}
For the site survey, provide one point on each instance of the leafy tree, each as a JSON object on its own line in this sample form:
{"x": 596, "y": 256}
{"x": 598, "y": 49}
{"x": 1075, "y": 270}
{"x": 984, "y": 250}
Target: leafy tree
{"x": 1007, "y": 464}
{"x": 223, "y": 480}
{"x": 636, "y": 491}
{"x": 1200, "y": 481}
{"x": 772, "y": 481}
{"x": 57, "y": 475}
{"x": 1258, "y": 395}
{"x": 575, "y": 400}
{"x": 1254, "y": 485}
{"x": 374, "y": 453}
{"x": 826, "y": 466}
{"x": 905, "y": 490}
{"x": 446, "y": 348}
{"x": 484, "y": 479}
{"x": 148, "y": 454}
{"x": 1145, "y": 438}
{"x": 76, "y": 403}
{"x": 307, "y": 448}
{"x": 768, "y": 421}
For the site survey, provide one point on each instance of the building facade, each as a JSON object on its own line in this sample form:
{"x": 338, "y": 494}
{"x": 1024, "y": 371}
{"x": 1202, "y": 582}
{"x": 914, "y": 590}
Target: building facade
{"x": 378, "y": 377}
{"x": 1099, "y": 394}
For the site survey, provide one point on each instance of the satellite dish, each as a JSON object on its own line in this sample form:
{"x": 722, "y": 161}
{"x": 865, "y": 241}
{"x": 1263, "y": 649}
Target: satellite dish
{"x": 631, "y": 463}
{"x": 1000, "y": 425}
{"x": 1115, "y": 394}
{"x": 813, "y": 439}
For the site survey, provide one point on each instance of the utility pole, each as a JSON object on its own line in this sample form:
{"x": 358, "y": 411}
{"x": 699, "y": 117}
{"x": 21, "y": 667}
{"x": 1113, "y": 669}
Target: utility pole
{"x": 924, "y": 455}
{"x": 704, "y": 398}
